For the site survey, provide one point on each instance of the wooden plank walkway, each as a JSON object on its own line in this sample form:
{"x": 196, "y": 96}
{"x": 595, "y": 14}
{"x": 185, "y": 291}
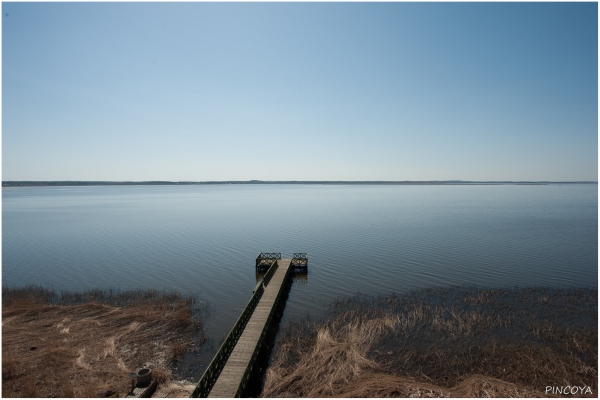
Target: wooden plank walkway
{"x": 248, "y": 345}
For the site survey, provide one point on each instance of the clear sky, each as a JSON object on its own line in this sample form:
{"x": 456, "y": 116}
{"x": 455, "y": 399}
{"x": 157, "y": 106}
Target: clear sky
{"x": 310, "y": 91}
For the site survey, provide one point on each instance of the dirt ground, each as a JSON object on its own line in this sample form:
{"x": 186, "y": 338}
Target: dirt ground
{"x": 88, "y": 349}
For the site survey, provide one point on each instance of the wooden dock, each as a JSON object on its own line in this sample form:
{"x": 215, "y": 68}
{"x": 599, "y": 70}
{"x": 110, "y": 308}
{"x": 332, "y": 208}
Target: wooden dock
{"x": 243, "y": 356}
{"x": 229, "y": 371}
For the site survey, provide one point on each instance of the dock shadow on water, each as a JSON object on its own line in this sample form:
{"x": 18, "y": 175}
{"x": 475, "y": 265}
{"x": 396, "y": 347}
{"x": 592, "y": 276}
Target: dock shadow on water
{"x": 439, "y": 342}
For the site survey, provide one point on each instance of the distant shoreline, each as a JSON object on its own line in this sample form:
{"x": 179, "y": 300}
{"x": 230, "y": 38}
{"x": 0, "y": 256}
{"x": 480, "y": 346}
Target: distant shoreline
{"x": 256, "y": 182}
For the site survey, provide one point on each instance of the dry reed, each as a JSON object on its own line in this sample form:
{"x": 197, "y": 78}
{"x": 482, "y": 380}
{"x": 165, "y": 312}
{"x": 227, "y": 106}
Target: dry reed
{"x": 84, "y": 344}
{"x": 440, "y": 342}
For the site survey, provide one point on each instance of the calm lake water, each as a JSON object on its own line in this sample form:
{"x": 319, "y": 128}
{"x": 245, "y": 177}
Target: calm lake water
{"x": 359, "y": 238}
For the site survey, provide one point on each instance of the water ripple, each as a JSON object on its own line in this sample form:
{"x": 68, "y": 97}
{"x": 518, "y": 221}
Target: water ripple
{"x": 203, "y": 239}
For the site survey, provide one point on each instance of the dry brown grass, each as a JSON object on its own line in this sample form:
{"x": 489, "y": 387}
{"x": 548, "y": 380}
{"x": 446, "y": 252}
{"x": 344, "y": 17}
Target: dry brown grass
{"x": 445, "y": 342}
{"x": 72, "y": 345}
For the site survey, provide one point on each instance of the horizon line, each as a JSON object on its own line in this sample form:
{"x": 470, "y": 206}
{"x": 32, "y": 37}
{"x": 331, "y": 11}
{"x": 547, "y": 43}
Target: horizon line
{"x": 9, "y": 183}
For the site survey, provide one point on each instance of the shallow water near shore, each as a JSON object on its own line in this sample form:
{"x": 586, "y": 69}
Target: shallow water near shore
{"x": 365, "y": 238}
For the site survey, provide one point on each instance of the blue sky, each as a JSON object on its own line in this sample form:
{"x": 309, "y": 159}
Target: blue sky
{"x": 310, "y": 91}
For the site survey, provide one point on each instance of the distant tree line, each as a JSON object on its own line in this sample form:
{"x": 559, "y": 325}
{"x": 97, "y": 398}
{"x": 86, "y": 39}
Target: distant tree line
{"x": 124, "y": 183}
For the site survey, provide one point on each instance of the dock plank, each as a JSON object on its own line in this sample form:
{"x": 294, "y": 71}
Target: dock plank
{"x": 231, "y": 377}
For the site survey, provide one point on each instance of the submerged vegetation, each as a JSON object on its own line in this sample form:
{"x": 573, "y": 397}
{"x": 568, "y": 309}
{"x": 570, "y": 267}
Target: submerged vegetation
{"x": 439, "y": 342}
{"x": 83, "y": 344}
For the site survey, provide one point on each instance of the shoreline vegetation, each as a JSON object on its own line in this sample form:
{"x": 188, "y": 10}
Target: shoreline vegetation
{"x": 443, "y": 342}
{"x": 84, "y": 344}
{"x": 434, "y": 342}
{"x": 258, "y": 182}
